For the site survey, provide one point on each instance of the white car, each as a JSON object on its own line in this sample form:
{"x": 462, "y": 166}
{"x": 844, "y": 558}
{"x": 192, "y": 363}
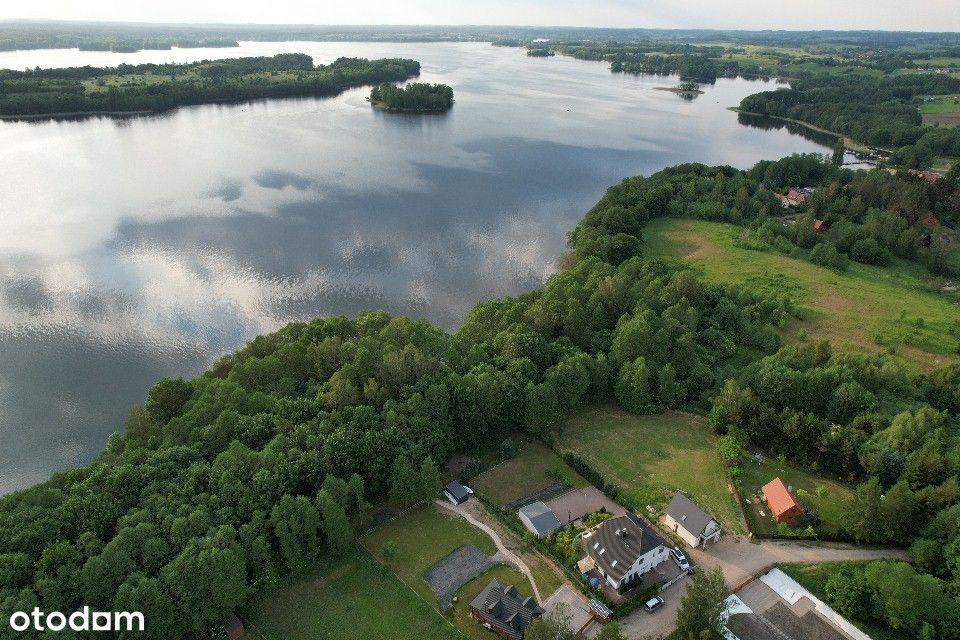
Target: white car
{"x": 653, "y": 604}
{"x": 680, "y": 559}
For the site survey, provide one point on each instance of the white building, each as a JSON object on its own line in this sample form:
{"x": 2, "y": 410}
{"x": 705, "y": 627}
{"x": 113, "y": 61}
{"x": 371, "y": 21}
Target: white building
{"x": 624, "y": 549}
{"x": 694, "y": 525}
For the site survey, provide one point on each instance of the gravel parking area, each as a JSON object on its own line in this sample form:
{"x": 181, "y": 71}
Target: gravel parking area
{"x": 454, "y": 571}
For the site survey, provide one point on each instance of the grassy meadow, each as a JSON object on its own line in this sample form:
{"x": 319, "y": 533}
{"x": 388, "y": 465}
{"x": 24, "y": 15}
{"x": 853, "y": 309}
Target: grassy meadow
{"x": 350, "y": 599}
{"x": 865, "y": 308}
{"x": 650, "y": 457}
{"x": 424, "y": 536}
{"x": 535, "y": 467}
{"x": 828, "y": 498}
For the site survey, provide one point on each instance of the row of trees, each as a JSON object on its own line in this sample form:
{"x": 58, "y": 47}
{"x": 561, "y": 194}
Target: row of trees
{"x": 127, "y": 88}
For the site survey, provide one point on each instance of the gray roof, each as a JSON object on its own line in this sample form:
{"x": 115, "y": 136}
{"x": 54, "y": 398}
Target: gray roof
{"x": 543, "y": 519}
{"x": 688, "y": 514}
{"x": 458, "y": 491}
{"x": 616, "y": 553}
{"x": 504, "y": 608}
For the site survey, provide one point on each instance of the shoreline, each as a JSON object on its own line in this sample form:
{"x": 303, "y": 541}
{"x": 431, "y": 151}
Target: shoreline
{"x": 678, "y": 90}
{"x": 848, "y": 142}
{"x": 78, "y": 114}
{"x": 381, "y": 106}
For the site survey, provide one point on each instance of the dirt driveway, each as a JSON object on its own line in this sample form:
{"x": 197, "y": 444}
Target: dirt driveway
{"x": 742, "y": 560}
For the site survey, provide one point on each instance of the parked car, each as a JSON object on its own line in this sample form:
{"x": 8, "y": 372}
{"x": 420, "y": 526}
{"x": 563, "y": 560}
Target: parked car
{"x": 653, "y": 604}
{"x": 681, "y": 560}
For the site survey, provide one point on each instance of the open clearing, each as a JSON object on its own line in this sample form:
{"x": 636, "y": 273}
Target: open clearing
{"x": 830, "y": 503}
{"x": 865, "y": 308}
{"x": 424, "y": 536}
{"x": 534, "y": 468}
{"x": 650, "y": 457}
{"x": 351, "y": 599}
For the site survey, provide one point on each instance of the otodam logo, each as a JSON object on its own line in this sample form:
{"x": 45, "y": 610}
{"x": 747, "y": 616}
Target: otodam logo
{"x": 82, "y": 620}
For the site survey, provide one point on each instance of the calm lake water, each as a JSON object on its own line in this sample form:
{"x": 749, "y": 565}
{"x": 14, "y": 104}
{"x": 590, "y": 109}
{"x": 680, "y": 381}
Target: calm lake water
{"x": 138, "y": 248}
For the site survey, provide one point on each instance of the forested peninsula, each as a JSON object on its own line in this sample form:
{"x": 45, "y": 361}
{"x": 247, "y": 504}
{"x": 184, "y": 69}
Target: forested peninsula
{"x": 235, "y": 481}
{"x": 149, "y": 88}
{"x": 416, "y": 97}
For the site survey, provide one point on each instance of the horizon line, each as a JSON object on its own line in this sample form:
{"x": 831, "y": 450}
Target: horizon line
{"x": 4, "y": 21}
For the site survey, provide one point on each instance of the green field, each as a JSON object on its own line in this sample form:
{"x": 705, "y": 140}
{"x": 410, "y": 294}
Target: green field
{"x": 941, "y": 104}
{"x": 424, "y": 536}
{"x": 650, "y": 457}
{"x": 830, "y": 504}
{"x": 814, "y": 577}
{"x": 535, "y": 467}
{"x": 865, "y": 308}
{"x": 352, "y": 599}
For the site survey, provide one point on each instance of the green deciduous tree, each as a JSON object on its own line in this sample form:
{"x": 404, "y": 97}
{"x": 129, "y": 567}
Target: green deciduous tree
{"x": 702, "y": 606}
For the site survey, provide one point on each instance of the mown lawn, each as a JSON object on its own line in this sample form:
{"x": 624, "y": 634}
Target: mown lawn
{"x": 461, "y": 608}
{"x": 827, "y": 497}
{"x": 352, "y": 599}
{"x": 424, "y": 536}
{"x": 650, "y": 457}
{"x": 865, "y": 308}
{"x": 535, "y": 467}
{"x": 814, "y": 577}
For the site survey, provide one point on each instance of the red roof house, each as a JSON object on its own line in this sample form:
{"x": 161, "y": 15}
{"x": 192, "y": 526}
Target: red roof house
{"x": 792, "y": 198}
{"x": 783, "y": 505}
{"x": 819, "y": 225}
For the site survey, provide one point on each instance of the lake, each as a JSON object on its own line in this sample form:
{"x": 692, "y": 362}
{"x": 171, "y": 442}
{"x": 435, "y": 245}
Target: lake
{"x": 133, "y": 249}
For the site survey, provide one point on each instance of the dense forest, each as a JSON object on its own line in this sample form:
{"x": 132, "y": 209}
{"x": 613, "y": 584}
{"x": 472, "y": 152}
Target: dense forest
{"x": 153, "y": 87}
{"x": 877, "y": 110}
{"x": 416, "y": 97}
{"x": 232, "y": 482}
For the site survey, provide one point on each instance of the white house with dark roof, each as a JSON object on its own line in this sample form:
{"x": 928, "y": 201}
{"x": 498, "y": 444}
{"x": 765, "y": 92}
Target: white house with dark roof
{"x": 539, "y": 519}
{"x": 694, "y": 525}
{"x": 624, "y": 549}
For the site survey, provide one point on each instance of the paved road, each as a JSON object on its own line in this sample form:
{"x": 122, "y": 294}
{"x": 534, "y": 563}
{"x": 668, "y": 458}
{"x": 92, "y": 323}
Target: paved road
{"x": 503, "y": 553}
{"x": 741, "y": 561}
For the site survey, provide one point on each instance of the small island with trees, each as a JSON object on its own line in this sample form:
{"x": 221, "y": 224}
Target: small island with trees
{"x": 149, "y": 88}
{"x": 416, "y": 97}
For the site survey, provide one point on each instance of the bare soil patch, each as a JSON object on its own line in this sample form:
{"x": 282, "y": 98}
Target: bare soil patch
{"x": 947, "y": 119}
